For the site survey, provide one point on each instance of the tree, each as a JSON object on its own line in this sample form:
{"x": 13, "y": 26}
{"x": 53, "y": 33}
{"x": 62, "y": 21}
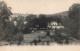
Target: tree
{"x": 48, "y": 33}
{"x": 42, "y": 21}
{"x": 66, "y": 22}
{"x": 74, "y": 15}
{"x": 31, "y": 20}
{"x": 54, "y": 18}
{"x": 30, "y": 17}
{"x": 18, "y": 37}
{"x": 4, "y": 16}
{"x": 20, "y": 23}
{"x": 10, "y": 32}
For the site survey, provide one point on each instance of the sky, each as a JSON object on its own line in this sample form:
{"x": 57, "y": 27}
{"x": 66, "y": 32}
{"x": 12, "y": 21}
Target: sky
{"x": 40, "y": 6}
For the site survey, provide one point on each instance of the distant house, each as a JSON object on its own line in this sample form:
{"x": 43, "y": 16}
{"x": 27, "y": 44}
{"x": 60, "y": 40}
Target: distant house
{"x": 54, "y": 25}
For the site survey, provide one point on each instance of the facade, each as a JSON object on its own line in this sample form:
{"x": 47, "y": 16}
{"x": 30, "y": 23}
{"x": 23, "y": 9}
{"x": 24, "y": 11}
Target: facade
{"x": 54, "y": 25}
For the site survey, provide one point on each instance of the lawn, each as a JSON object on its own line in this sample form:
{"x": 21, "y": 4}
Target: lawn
{"x": 30, "y": 37}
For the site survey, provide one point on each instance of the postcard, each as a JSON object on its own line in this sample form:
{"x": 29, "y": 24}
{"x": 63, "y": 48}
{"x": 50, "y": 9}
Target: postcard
{"x": 39, "y": 25}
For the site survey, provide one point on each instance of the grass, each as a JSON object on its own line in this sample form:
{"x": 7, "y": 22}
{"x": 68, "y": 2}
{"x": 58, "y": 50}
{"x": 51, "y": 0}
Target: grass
{"x": 30, "y": 37}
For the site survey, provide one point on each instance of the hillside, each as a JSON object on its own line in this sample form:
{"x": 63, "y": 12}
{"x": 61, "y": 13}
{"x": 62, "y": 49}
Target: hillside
{"x": 64, "y": 13}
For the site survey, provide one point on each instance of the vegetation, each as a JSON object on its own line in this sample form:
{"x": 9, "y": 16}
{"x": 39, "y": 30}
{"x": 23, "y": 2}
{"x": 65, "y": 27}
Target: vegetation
{"x": 8, "y": 31}
{"x": 4, "y": 16}
{"x": 11, "y": 32}
{"x": 74, "y": 15}
{"x": 72, "y": 26}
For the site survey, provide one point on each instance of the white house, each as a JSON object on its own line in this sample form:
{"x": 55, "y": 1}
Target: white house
{"x": 54, "y": 25}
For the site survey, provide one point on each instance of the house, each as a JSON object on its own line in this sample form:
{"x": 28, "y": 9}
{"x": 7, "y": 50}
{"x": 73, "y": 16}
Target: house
{"x": 54, "y": 24}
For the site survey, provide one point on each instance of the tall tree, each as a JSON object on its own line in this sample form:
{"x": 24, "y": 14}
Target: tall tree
{"x": 74, "y": 15}
{"x": 42, "y": 21}
{"x": 4, "y": 16}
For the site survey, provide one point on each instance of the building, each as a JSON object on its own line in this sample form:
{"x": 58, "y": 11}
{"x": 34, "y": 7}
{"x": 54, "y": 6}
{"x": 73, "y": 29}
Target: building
{"x": 54, "y": 25}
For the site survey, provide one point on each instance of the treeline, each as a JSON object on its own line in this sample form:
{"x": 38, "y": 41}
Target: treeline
{"x": 42, "y": 20}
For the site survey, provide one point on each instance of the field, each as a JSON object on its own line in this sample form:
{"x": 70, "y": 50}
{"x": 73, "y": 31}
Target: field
{"x": 32, "y": 36}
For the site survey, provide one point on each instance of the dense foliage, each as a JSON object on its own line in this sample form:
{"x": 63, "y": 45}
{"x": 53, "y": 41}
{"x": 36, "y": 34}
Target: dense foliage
{"x": 74, "y": 15}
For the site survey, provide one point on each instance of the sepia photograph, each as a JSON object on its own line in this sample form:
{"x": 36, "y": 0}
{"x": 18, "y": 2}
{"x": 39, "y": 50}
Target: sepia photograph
{"x": 39, "y": 25}
{"x": 39, "y": 22}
